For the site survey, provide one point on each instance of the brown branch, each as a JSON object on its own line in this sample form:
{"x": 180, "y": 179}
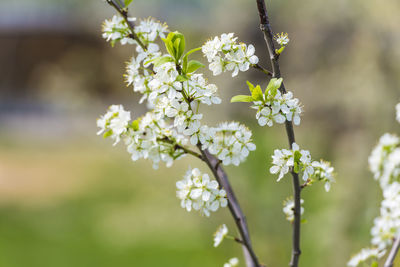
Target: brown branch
{"x": 234, "y": 207}
{"x": 258, "y": 67}
{"x": 269, "y": 40}
{"x": 393, "y": 252}
{"x": 124, "y": 13}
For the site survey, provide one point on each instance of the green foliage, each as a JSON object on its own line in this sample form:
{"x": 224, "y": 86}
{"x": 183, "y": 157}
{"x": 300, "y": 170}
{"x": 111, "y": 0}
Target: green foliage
{"x": 297, "y": 156}
{"x": 242, "y": 98}
{"x": 193, "y": 65}
{"x": 251, "y": 86}
{"x": 257, "y": 94}
{"x": 127, "y": 2}
{"x": 107, "y": 134}
{"x": 135, "y": 125}
{"x": 162, "y": 60}
{"x": 273, "y": 86}
{"x": 175, "y": 44}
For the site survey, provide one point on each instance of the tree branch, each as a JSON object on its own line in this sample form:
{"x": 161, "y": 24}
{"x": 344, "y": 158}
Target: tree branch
{"x": 124, "y": 13}
{"x": 233, "y": 204}
{"x": 258, "y": 67}
{"x": 268, "y": 36}
{"x": 393, "y": 252}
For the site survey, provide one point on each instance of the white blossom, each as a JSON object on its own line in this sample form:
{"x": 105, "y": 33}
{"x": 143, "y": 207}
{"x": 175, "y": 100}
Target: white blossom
{"x": 231, "y": 143}
{"x": 282, "y": 160}
{"x": 325, "y": 172}
{"x": 149, "y": 29}
{"x": 117, "y": 29}
{"x": 277, "y": 108}
{"x": 220, "y": 234}
{"x": 196, "y": 191}
{"x": 384, "y": 162}
{"x": 114, "y": 123}
{"x": 232, "y": 262}
{"x": 364, "y": 255}
{"x": 225, "y": 54}
{"x": 288, "y": 209}
{"x": 282, "y": 38}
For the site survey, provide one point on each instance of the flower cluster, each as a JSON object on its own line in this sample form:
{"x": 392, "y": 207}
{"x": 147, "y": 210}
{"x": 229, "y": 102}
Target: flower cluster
{"x": 278, "y": 108}
{"x": 323, "y": 171}
{"x": 273, "y": 106}
{"x": 220, "y": 234}
{"x": 117, "y": 29}
{"x": 173, "y": 91}
{"x": 365, "y": 254}
{"x": 224, "y": 53}
{"x": 231, "y": 143}
{"x": 284, "y": 160}
{"x": 384, "y": 162}
{"x": 232, "y": 263}
{"x": 196, "y": 191}
{"x": 288, "y": 209}
{"x": 114, "y": 123}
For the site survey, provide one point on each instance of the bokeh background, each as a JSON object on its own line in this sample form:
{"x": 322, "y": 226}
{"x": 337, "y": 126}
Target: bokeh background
{"x": 68, "y": 198}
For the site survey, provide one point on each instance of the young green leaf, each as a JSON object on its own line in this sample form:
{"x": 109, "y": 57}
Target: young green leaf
{"x": 182, "y": 78}
{"x": 193, "y": 65}
{"x": 273, "y": 85}
{"x": 162, "y": 60}
{"x": 257, "y": 93}
{"x": 179, "y": 45}
{"x": 192, "y": 51}
{"x": 135, "y": 125}
{"x": 127, "y": 2}
{"x": 107, "y": 134}
{"x": 242, "y": 98}
{"x": 251, "y": 86}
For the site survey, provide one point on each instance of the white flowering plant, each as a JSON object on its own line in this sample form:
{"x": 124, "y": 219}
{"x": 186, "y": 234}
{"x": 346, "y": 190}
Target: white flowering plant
{"x": 173, "y": 88}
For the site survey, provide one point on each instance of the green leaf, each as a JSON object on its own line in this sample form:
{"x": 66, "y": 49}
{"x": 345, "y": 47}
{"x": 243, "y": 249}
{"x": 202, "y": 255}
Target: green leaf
{"x": 127, "y": 2}
{"x": 273, "y": 85}
{"x": 193, "y": 65}
{"x": 184, "y": 63}
{"x": 251, "y": 86}
{"x": 182, "y": 78}
{"x": 135, "y": 125}
{"x": 303, "y": 221}
{"x": 242, "y": 98}
{"x": 257, "y": 93}
{"x": 162, "y": 60}
{"x": 179, "y": 44}
{"x": 296, "y": 167}
{"x": 280, "y": 50}
{"x": 175, "y": 44}
{"x": 107, "y": 134}
{"x": 193, "y": 50}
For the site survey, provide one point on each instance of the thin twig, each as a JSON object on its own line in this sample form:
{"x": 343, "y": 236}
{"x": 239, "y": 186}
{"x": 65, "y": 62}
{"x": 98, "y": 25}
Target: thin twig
{"x": 124, "y": 13}
{"x": 234, "y": 207}
{"x": 393, "y": 252}
{"x": 268, "y": 36}
{"x": 258, "y": 67}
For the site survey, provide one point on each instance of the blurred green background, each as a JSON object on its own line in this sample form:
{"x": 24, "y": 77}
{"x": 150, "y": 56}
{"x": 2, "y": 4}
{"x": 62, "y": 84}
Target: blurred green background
{"x": 68, "y": 198}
